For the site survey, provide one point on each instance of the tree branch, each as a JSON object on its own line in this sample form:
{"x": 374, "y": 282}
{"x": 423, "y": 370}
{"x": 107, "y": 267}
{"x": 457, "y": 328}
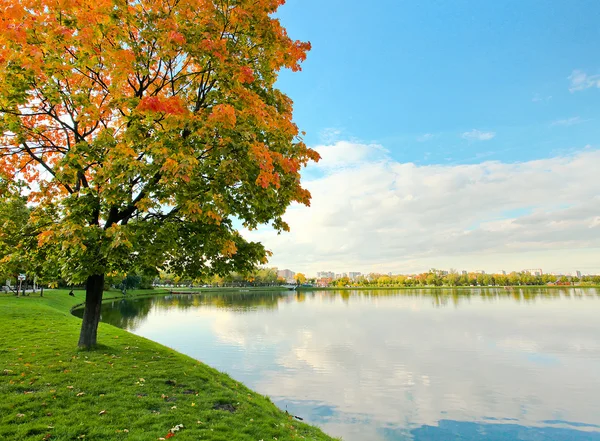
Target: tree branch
{"x": 46, "y": 166}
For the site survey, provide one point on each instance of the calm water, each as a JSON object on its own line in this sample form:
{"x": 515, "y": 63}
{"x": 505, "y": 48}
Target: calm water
{"x": 400, "y": 365}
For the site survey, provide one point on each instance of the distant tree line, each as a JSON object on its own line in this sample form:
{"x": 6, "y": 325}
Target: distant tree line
{"x": 453, "y": 278}
{"x": 261, "y": 276}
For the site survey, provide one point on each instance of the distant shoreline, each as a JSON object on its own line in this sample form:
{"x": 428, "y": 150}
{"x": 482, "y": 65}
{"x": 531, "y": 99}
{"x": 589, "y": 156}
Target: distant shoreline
{"x": 508, "y": 287}
{"x": 357, "y": 288}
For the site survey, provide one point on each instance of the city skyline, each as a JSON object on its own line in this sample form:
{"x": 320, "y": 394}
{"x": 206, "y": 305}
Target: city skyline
{"x": 287, "y": 273}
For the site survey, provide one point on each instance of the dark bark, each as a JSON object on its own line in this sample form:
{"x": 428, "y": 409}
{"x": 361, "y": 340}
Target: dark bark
{"x": 91, "y": 314}
{"x": 42, "y": 291}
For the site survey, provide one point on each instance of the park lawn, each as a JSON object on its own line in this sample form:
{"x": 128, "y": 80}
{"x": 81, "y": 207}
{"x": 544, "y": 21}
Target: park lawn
{"x": 129, "y": 388}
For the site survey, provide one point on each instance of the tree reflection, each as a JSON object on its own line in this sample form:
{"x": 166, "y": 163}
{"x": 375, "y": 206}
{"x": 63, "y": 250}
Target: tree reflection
{"x": 128, "y": 313}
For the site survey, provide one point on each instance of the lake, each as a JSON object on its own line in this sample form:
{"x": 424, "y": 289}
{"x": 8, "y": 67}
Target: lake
{"x": 391, "y": 365}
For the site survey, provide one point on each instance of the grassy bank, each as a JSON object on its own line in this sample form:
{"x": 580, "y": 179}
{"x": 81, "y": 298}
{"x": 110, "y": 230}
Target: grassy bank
{"x": 129, "y": 388}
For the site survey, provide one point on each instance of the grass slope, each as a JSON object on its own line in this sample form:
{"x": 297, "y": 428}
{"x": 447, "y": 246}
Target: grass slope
{"x": 129, "y": 388}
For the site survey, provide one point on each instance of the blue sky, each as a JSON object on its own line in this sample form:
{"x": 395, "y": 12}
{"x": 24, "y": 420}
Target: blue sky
{"x": 392, "y": 71}
{"x": 454, "y": 134}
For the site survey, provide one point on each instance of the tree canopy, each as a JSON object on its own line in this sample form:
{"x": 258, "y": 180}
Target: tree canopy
{"x": 143, "y": 129}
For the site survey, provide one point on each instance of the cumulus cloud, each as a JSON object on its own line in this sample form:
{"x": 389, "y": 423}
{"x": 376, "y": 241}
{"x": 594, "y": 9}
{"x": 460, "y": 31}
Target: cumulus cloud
{"x": 343, "y": 154}
{"x": 370, "y": 212}
{"x": 581, "y": 81}
{"x": 477, "y": 135}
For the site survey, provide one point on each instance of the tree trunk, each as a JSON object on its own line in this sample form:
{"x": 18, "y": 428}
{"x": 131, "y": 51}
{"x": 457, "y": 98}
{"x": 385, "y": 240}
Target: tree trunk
{"x": 91, "y": 314}
{"x": 42, "y": 291}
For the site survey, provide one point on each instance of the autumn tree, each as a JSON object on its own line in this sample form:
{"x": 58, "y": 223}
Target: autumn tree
{"x": 144, "y": 129}
{"x": 300, "y": 278}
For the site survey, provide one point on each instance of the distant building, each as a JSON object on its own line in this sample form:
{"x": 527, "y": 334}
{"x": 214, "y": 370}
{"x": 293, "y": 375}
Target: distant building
{"x": 464, "y": 273}
{"x": 325, "y": 274}
{"x": 354, "y": 275}
{"x": 324, "y": 281}
{"x": 577, "y": 274}
{"x": 503, "y": 272}
{"x": 286, "y": 274}
{"x": 534, "y": 272}
{"x": 480, "y": 272}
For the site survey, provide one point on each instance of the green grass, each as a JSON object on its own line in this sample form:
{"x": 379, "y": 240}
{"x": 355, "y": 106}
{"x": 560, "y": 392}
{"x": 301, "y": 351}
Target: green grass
{"x": 129, "y": 388}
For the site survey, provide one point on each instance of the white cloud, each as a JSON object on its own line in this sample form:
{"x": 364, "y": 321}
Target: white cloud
{"x": 476, "y": 135}
{"x": 369, "y": 212}
{"x": 343, "y": 154}
{"x": 569, "y": 121}
{"x": 426, "y": 137}
{"x": 581, "y": 80}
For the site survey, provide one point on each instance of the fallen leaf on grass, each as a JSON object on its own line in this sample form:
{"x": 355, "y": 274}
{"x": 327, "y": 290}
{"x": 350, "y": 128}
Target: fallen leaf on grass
{"x": 102, "y": 412}
{"x": 80, "y": 394}
{"x": 176, "y": 428}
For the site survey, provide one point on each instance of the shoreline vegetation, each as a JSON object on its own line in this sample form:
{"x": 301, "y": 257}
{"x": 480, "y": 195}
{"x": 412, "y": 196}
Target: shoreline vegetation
{"x": 128, "y": 387}
{"x": 268, "y": 277}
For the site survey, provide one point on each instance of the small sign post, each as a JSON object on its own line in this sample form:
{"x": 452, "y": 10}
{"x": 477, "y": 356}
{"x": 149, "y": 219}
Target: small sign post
{"x": 20, "y": 278}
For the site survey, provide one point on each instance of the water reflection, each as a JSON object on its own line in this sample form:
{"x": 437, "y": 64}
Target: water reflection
{"x": 449, "y": 430}
{"x": 437, "y": 364}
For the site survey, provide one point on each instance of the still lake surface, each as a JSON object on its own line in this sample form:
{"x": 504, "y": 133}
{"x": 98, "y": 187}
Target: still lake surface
{"x": 391, "y": 365}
